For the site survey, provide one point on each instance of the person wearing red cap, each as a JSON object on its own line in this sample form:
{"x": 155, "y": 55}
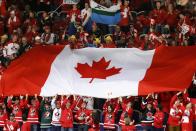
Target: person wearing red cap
{"x": 66, "y": 118}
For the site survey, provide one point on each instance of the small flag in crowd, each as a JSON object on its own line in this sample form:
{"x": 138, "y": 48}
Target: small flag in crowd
{"x": 97, "y": 72}
{"x": 104, "y": 15}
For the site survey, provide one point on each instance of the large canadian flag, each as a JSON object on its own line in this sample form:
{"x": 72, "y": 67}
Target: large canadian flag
{"x": 99, "y": 72}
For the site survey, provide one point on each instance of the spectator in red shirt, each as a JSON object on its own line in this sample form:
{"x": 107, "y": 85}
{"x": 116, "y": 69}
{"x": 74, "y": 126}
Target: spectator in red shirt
{"x": 13, "y": 22}
{"x": 171, "y": 17}
{"x": 158, "y": 119}
{"x": 11, "y": 124}
{"x": 158, "y": 15}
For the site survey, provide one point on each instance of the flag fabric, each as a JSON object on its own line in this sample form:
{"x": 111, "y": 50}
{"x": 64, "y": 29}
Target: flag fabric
{"x": 71, "y": 2}
{"x": 104, "y": 15}
{"x": 99, "y": 72}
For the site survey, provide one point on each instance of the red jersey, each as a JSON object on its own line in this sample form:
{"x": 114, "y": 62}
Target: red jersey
{"x": 158, "y": 15}
{"x": 85, "y": 113}
{"x": 125, "y": 110}
{"x": 33, "y": 113}
{"x": 171, "y": 19}
{"x": 67, "y": 117}
{"x": 12, "y": 126}
{"x": 174, "y": 116}
{"x": 187, "y": 120}
{"x": 26, "y": 126}
{"x": 3, "y": 119}
{"x": 109, "y": 119}
{"x": 16, "y": 109}
{"x": 125, "y": 11}
{"x": 12, "y": 24}
{"x": 74, "y": 15}
{"x": 158, "y": 119}
{"x": 128, "y": 128}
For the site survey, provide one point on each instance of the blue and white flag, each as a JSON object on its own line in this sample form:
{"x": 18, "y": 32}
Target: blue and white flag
{"x": 104, "y": 15}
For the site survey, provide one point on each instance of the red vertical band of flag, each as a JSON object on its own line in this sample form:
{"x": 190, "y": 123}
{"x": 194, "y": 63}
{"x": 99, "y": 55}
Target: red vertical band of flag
{"x": 28, "y": 74}
{"x": 172, "y": 69}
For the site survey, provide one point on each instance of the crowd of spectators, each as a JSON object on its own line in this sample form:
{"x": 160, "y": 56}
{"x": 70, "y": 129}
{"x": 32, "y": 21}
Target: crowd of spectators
{"x": 145, "y": 24}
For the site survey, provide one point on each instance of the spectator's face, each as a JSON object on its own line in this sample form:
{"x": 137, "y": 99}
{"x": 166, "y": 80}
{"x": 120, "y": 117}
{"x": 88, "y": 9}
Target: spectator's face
{"x": 14, "y": 38}
{"x": 94, "y": 27}
{"x": 126, "y": 3}
{"x": 12, "y": 15}
{"x": 16, "y": 101}
{"x": 129, "y": 105}
{"x": 158, "y": 5}
{"x": 170, "y": 7}
{"x": 24, "y": 40}
{"x": 109, "y": 109}
{"x": 86, "y": 6}
{"x": 45, "y": 15}
{"x": 149, "y": 106}
{"x": 74, "y": 7}
{"x": 47, "y": 30}
{"x": 68, "y": 105}
{"x": 58, "y": 105}
{"x": 83, "y": 105}
{"x": 46, "y": 106}
{"x": 11, "y": 118}
{"x": 181, "y": 16}
{"x": 117, "y": 29}
{"x": 31, "y": 15}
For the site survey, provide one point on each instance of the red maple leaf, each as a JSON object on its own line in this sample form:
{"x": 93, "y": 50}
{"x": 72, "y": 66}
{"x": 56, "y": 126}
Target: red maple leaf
{"x": 97, "y": 70}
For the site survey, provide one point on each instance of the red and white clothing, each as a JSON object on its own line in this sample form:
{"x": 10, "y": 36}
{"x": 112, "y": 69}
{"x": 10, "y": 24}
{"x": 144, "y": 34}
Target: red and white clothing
{"x": 171, "y": 19}
{"x": 67, "y": 116}
{"x": 129, "y": 111}
{"x": 33, "y": 113}
{"x": 128, "y": 128}
{"x": 125, "y": 15}
{"x": 16, "y": 109}
{"x": 187, "y": 120}
{"x": 74, "y": 15}
{"x": 56, "y": 117}
{"x": 83, "y": 113}
{"x": 11, "y": 126}
{"x": 109, "y": 119}
{"x": 10, "y": 49}
{"x": 85, "y": 15}
{"x": 158, "y": 119}
{"x": 158, "y": 16}
{"x": 26, "y": 126}
{"x": 175, "y": 116}
{"x": 3, "y": 119}
{"x": 13, "y": 23}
